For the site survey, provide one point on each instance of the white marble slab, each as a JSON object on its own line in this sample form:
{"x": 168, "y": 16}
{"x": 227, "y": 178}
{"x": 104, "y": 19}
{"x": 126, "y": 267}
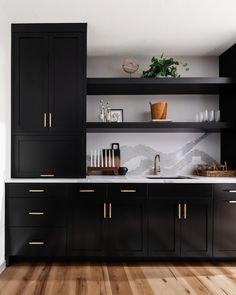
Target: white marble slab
{"x": 123, "y": 179}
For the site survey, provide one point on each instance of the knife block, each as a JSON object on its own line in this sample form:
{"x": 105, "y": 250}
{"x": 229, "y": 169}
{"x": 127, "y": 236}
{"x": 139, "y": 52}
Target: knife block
{"x": 103, "y": 170}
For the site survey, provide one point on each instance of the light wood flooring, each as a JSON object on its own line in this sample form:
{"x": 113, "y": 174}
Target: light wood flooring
{"x": 119, "y": 279}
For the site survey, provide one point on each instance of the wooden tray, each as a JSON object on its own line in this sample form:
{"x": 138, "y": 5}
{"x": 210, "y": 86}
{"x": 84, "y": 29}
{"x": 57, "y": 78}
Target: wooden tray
{"x": 217, "y": 173}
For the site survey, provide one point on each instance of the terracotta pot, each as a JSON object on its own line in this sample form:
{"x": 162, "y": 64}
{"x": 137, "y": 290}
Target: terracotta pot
{"x": 158, "y": 110}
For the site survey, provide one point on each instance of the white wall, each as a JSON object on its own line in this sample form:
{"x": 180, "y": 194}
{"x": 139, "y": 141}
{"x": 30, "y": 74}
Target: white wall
{"x": 138, "y": 150}
{"x": 5, "y": 52}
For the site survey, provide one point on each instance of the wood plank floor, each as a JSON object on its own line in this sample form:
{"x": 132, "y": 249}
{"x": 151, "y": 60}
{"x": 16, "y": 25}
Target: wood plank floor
{"x": 119, "y": 279}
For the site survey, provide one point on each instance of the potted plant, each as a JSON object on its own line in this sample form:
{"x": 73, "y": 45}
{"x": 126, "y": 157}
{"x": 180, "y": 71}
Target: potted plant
{"x": 164, "y": 67}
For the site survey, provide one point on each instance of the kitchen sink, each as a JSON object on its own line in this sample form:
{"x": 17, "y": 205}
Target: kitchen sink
{"x": 169, "y": 177}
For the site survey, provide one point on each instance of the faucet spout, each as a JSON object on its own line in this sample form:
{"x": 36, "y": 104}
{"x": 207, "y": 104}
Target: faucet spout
{"x": 157, "y": 168}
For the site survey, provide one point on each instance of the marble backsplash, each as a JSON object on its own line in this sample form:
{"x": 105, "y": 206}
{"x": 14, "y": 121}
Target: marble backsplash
{"x": 179, "y": 152}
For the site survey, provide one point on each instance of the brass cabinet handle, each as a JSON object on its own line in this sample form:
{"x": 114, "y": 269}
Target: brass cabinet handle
{"x": 128, "y": 191}
{"x": 185, "y": 211}
{"x": 44, "y": 120}
{"x": 47, "y": 175}
{"x": 104, "y": 210}
{"x": 232, "y": 202}
{"x": 50, "y": 120}
{"x": 86, "y": 190}
{"x": 231, "y": 191}
{"x": 110, "y": 210}
{"x": 179, "y": 211}
{"x": 36, "y": 190}
{"x": 36, "y": 213}
{"x": 36, "y": 243}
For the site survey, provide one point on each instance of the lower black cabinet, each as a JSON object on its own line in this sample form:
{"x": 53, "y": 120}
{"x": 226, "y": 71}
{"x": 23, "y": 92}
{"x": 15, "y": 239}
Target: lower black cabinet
{"x": 120, "y": 220}
{"x": 48, "y": 156}
{"x": 127, "y": 228}
{"x": 180, "y": 226}
{"x": 224, "y": 220}
{"x": 164, "y": 227}
{"x": 196, "y": 227}
{"x": 102, "y": 225}
{"x": 37, "y": 242}
{"x": 86, "y": 220}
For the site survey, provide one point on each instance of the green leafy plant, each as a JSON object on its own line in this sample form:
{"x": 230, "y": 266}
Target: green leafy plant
{"x": 164, "y": 67}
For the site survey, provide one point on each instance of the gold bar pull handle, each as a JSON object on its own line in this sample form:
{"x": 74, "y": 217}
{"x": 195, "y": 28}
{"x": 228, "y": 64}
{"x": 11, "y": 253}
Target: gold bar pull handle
{"x": 179, "y": 211}
{"x": 36, "y": 243}
{"x": 185, "y": 211}
{"x": 110, "y": 210}
{"x": 38, "y": 213}
{"x": 36, "y": 190}
{"x": 232, "y": 202}
{"x": 231, "y": 191}
{"x": 44, "y": 120}
{"x": 128, "y": 191}
{"x": 50, "y": 120}
{"x": 104, "y": 210}
{"x": 86, "y": 190}
{"x": 47, "y": 175}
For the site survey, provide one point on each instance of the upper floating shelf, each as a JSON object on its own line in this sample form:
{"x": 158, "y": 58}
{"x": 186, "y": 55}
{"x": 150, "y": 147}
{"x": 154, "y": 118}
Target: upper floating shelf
{"x": 145, "y": 127}
{"x": 140, "y": 86}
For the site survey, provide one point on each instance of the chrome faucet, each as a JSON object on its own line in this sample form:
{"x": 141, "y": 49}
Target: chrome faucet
{"x": 157, "y": 168}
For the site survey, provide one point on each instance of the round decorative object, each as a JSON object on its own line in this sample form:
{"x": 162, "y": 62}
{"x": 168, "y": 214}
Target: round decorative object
{"x": 130, "y": 66}
{"x": 123, "y": 170}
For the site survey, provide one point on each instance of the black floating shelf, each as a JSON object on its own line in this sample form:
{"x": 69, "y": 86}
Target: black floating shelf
{"x": 137, "y": 86}
{"x": 146, "y": 127}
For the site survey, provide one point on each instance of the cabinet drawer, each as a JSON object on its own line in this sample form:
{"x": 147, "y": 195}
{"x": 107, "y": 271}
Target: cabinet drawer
{"x": 15, "y": 190}
{"x": 37, "y": 242}
{"x": 127, "y": 190}
{"x": 36, "y": 212}
{"x": 225, "y": 190}
{"x": 89, "y": 191}
{"x": 179, "y": 190}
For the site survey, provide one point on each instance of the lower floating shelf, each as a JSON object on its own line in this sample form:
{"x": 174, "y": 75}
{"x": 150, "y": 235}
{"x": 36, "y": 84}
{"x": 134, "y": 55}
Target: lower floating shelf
{"x": 145, "y": 127}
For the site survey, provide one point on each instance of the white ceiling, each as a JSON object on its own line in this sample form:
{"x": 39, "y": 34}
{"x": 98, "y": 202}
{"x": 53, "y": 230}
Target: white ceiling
{"x": 138, "y": 27}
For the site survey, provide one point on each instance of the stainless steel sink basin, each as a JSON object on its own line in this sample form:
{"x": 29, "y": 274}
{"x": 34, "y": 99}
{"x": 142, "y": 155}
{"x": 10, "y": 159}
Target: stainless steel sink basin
{"x": 169, "y": 177}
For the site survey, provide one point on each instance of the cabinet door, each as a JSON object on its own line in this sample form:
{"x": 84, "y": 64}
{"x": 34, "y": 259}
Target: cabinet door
{"x": 164, "y": 227}
{"x": 67, "y": 89}
{"x": 30, "y": 81}
{"x": 127, "y": 225}
{"x": 196, "y": 227}
{"x": 86, "y": 235}
{"x": 224, "y": 244}
{"x": 48, "y": 156}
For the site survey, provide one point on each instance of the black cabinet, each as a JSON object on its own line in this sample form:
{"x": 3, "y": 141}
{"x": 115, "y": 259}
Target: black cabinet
{"x": 86, "y": 228}
{"x": 120, "y": 220}
{"x": 127, "y": 220}
{"x": 48, "y": 99}
{"x": 29, "y": 81}
{"x": 49, "y": 80}
{"x": 224, "y": 243}
{"x": 67, "y": 82}
{"x": 107, "y": 224}
{"x": 164, "y": 227}
{"x": 37, "y": 242}
{"x": 36, "y": 220}
{"x": 180, "y": 220}
{"x": 48, "y": 156}
{"x": 196, "y": 227}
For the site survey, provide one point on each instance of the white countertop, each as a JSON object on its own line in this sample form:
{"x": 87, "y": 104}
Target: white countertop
{"x": 122, "y": 179}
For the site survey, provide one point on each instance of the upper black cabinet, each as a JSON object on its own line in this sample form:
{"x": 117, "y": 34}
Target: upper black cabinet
{"x": 48, "y": 78}
{"x": 30, "y": 81}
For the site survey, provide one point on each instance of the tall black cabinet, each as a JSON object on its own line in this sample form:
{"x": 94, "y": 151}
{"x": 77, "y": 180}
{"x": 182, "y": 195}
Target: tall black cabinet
{"x": 48, "y": 100}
